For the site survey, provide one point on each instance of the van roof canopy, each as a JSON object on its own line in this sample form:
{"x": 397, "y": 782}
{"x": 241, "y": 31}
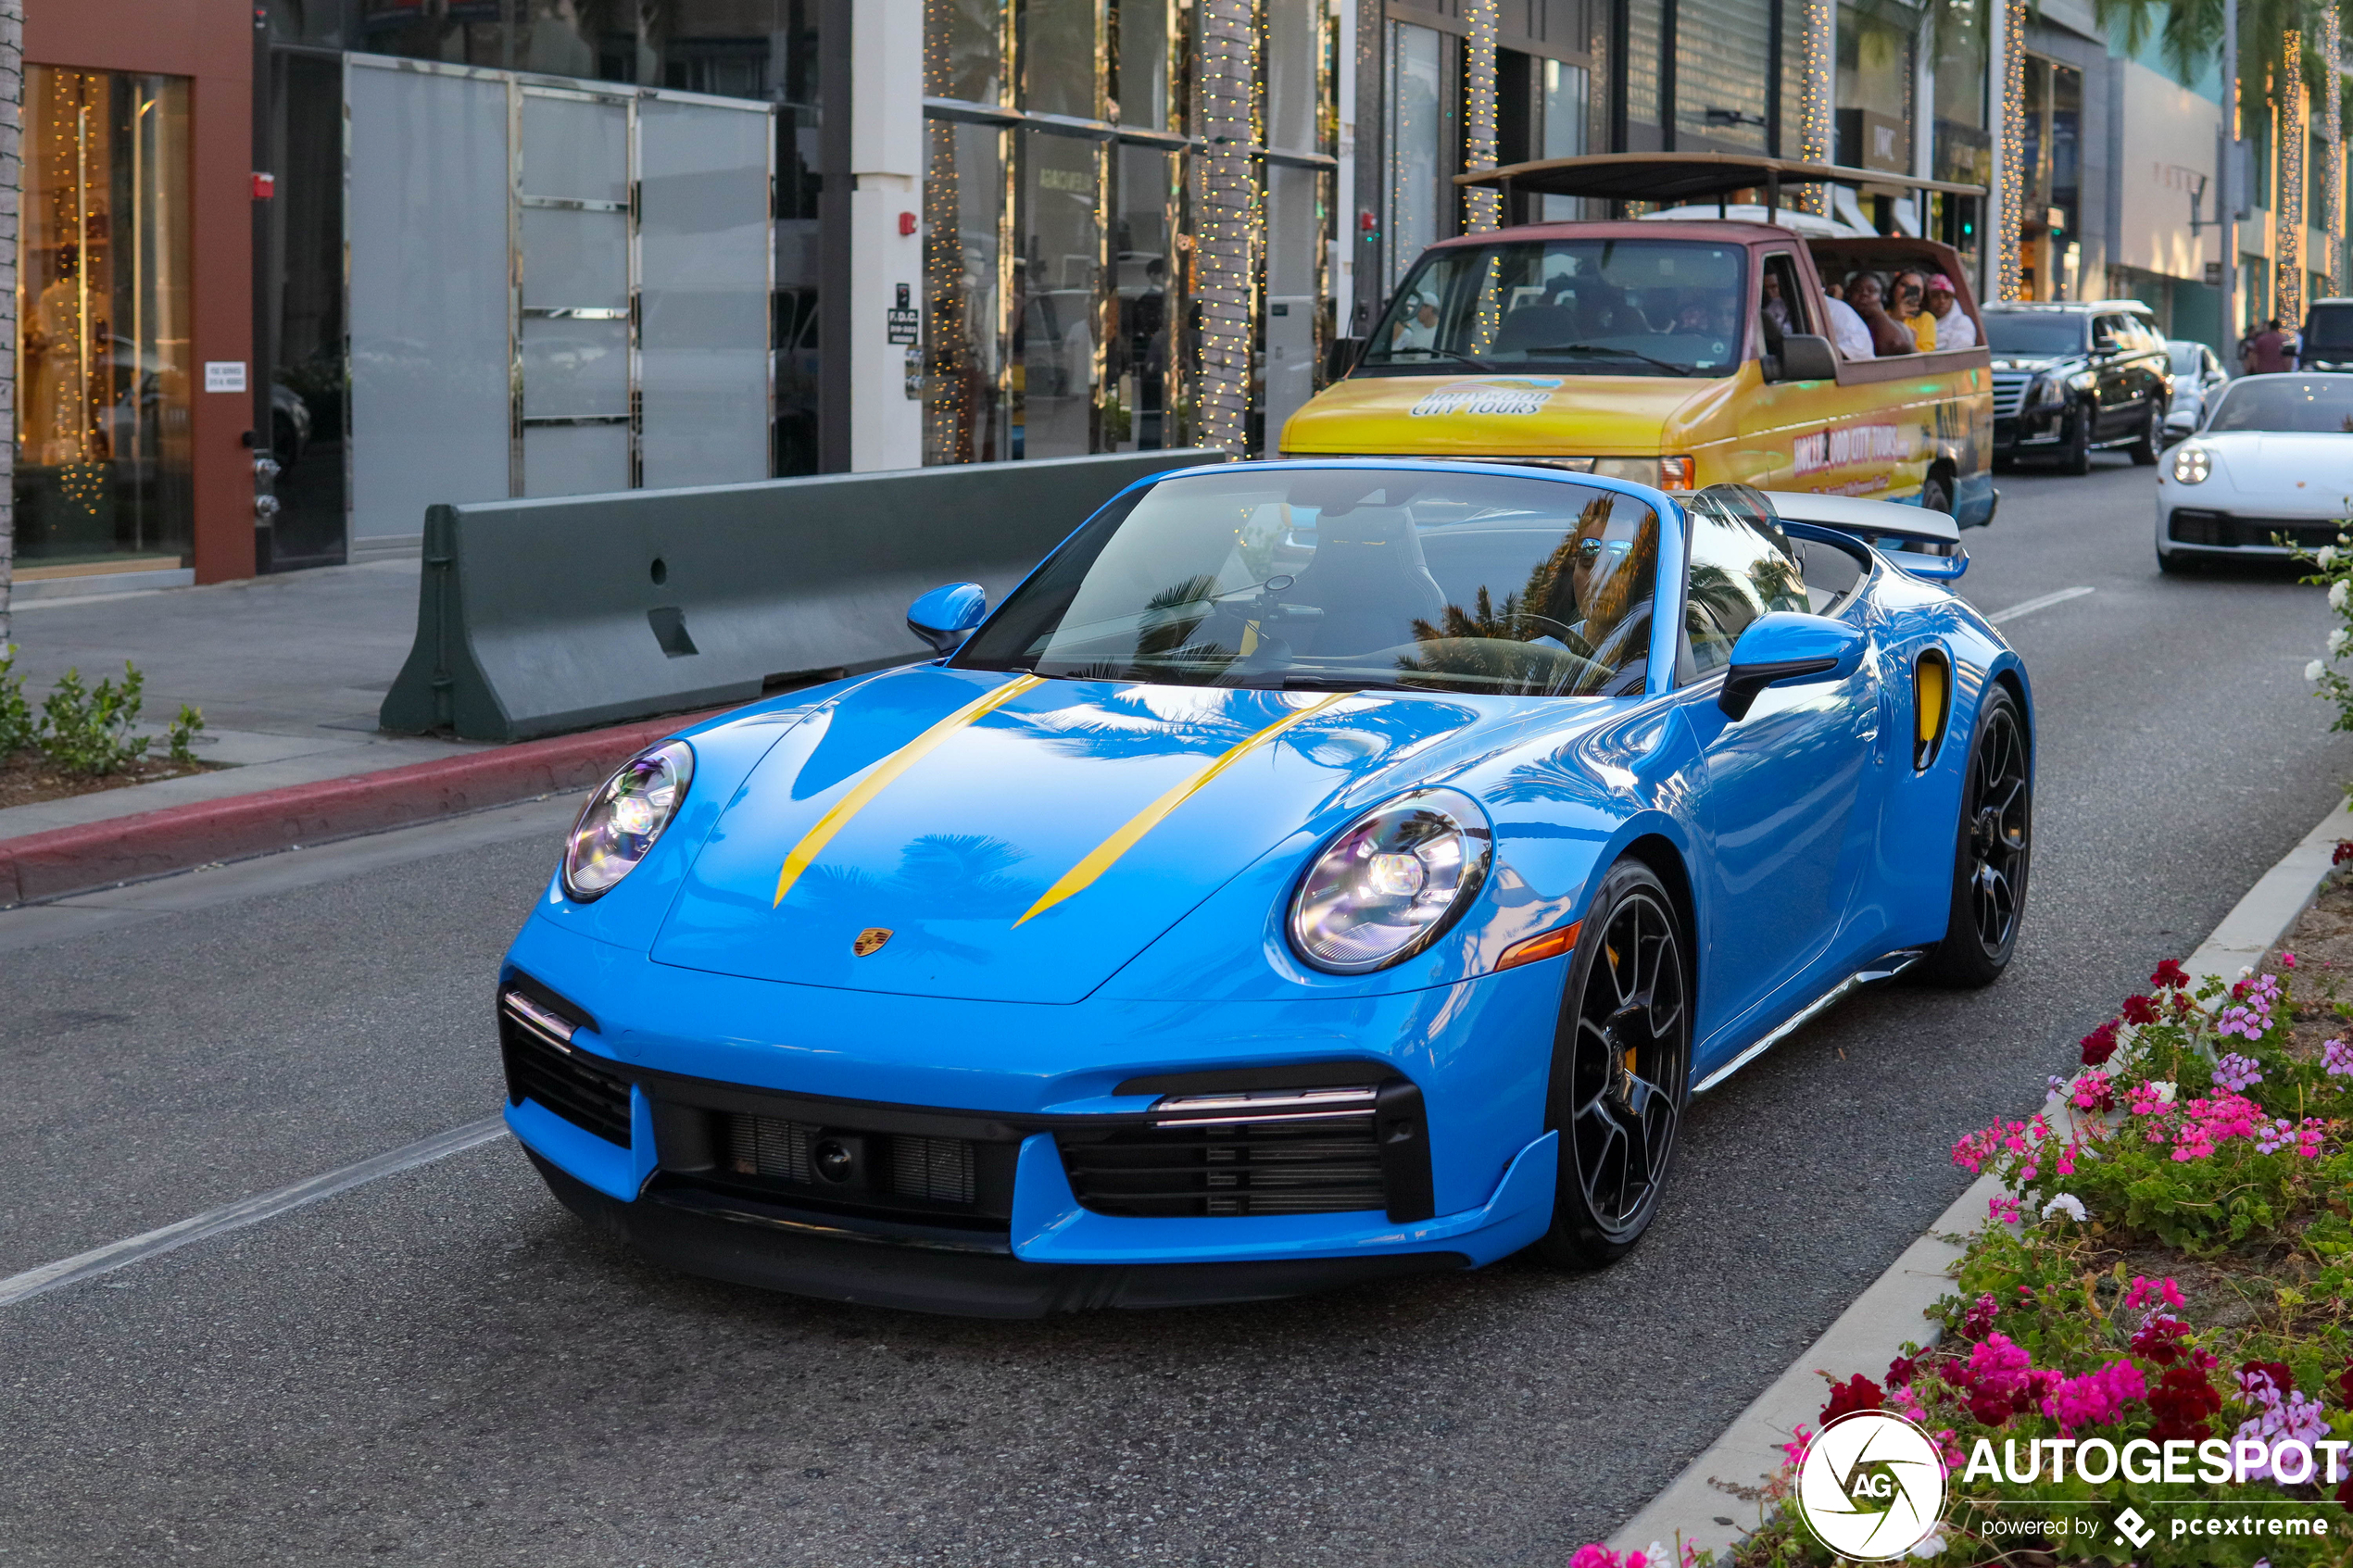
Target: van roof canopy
{"x": 1671, "y": 178}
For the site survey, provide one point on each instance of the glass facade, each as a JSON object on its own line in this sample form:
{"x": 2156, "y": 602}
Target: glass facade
{"x": 1061, "y": 168}
{"x": 104, "y": 368}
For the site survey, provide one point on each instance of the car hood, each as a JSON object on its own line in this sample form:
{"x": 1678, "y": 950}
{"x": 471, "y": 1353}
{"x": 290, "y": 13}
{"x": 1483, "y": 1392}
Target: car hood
{"x": 2031, "y": 361}
{"x": 1506, "y": 415}
{"x": 1025, "y": 853}
{"x": 2315, "y": 466}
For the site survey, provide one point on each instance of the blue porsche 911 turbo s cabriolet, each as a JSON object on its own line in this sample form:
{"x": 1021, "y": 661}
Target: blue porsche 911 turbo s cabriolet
{"x": 1312, "y": 873}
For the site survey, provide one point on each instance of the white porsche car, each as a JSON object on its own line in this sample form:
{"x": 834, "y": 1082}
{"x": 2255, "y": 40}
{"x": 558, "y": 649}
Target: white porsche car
{"x": 2273, "y": 459}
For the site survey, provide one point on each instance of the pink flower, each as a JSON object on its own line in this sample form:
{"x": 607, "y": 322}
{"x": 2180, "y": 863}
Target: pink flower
{"x": 1597, "y": 1556}
{"x": 2002, "y": 1209}
{"x": 1796, "y": 1448}
{"x": 2336, "y": 1059}
{"x": 2287, "y": 960}
{"x": 2143, "y": 1292}
{"x": 2097, "y": 1399}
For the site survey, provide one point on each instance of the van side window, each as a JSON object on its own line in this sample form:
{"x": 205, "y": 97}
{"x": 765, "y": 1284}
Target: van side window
{"x": 1782, "y": 307}
{"x": 1737, "y": 573}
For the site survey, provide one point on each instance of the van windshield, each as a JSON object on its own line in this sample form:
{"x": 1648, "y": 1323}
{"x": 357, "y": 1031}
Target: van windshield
{"x": 1580, "y": 306}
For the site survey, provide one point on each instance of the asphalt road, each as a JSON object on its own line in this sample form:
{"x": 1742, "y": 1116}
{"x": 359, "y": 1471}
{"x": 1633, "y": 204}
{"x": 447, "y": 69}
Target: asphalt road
{"x": 441, "y": 1367}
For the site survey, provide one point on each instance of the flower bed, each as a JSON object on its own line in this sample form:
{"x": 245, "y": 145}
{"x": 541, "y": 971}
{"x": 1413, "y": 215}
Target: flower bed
{"x": 2170, "y": 1261}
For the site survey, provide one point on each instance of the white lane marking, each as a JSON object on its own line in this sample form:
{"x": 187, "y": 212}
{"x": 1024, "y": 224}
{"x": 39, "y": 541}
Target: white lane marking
{"x": 244, "y": 1211}
{"x": 2031, "y": 606}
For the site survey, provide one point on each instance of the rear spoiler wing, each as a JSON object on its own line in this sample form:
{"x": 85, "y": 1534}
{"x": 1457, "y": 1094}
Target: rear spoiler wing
{"x": 1926, "y": 544}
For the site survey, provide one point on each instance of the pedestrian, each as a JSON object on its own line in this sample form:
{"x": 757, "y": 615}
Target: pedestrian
{"x": 2267, "y": 352}
{"x": 1953, "y": 329}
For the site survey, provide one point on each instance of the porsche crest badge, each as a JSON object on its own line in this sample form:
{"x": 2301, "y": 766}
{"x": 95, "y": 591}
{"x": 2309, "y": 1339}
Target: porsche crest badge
{"x": 870, "y": 941}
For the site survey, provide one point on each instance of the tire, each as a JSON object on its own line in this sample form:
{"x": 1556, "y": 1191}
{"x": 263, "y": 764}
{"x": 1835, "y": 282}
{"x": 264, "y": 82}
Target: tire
{"x": 1993, "y": 851}
{"x": 2146, "y": 446}
{"x": 2076, "y": 457}
{"x": 1936, "y": 494}
{"x": 1621, "y": 1070}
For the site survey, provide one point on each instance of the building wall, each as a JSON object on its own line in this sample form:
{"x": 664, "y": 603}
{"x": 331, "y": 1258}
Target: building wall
{"x": 2169, "y": 139}
{"x": 211, "y": 43}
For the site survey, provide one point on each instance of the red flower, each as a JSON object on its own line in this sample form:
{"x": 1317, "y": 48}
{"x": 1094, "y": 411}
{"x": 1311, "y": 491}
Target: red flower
{"x": 1858, "y": 1393}
{"x": 2100, "y": 1044}
{"x": 2140, "y": 1009}
{"x": 1989, "y": 1409}
{"x": 2277, "y": 1371}
{"x": 2343, "y": 853}
{"x": 2181, "y": 1401}
{"x": 1900, "y": 1370}
{"x": 2170, "y": 975}
{"x": 2160, "y": 1340}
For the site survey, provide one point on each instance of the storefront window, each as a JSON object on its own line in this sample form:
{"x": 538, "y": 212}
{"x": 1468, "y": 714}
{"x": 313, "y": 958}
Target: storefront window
{"x": 103, "y": 368}
{"x": 299, "y": 332}
{"x": 1060, "y": 52}
{"x": 964, "y": 205}
{"x": 1416, "y": 93}
{"x": 1141, "y": 83}
{"x": 964, "y": 50}
{"x": 1136, "y": 415}
{"x": 1563, "y": 96}
{"x": 1720, "y": 94}
{"x": 1056, "y": 279}
{"x": 1294, "y": 57}
{"x": 1874, "y": 93}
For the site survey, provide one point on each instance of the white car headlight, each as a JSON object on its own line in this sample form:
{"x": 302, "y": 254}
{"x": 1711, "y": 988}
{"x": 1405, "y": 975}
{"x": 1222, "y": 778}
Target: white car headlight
{"x": 1391, "y": 883}
{"x": 2045, "y": 392}
{"x": 2082, "y": 381}
{"x": 624, "y": 817}
{"x": 2192, "y": 465}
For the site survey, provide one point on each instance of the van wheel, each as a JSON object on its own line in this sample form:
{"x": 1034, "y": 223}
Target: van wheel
{"x": 1936, "y": 494}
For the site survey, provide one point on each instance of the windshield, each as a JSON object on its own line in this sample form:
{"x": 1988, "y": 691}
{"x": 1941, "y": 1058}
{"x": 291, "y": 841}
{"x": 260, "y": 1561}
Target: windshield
{"x": 2189, "y": 358}
{"x": 2321, "y": 404}
{"x": 2329, "y": 329}
{"x": 2039, "y": 337}
{"x": 1290, "y": 577}
{"x": 1601, "y": 308}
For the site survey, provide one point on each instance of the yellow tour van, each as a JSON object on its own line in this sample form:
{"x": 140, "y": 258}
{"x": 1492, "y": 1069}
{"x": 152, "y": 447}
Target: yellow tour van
{"x": 1682, "y": 353}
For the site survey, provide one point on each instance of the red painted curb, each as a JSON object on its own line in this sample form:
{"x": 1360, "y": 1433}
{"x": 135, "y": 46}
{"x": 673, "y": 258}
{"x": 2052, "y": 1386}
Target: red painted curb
{"x": 44, "y": 865}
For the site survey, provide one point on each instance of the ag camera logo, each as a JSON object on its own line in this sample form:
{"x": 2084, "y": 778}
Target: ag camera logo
{"x": 1871, "y": 1486}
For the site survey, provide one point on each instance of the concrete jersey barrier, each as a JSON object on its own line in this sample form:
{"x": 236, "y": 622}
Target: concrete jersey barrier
{"x": 538, "y": 617}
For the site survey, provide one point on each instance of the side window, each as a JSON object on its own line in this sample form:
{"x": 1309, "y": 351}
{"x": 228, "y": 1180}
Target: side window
{"x": 1782, "y": 307}
{"x": 1737, "y": 573}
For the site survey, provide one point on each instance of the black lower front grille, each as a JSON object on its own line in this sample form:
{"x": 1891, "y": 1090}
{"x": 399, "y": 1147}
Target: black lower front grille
{"x": 564, "y": 1080}
{"x": 2191, "y": 525}
{"x": 835, "y": 1163}
{"x": 1242, "y": 1164}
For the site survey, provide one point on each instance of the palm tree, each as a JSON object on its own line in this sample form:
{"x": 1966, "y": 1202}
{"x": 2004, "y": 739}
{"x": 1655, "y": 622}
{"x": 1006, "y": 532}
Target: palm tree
{"x": 11, "y": 131}
{"x": 2190, "y": 34}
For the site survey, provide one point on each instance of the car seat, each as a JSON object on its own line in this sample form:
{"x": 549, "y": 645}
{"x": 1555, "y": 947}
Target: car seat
{"x": 1370, "y": 579}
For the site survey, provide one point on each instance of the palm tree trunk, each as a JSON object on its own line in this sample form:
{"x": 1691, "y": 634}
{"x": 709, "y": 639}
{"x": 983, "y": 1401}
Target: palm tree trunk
{"x": 10, "y": 177}
{"x": 11, "y": 168}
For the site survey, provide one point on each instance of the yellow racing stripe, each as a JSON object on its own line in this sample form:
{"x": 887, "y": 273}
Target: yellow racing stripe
{"x": 1099, "y": 860}
{"x": 889, "y": 767}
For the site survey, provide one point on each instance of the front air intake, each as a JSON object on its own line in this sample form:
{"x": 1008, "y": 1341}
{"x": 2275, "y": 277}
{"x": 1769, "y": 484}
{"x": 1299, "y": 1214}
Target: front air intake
{"x": 544, "y": 1066}
{"x": 1300, "y": 1151}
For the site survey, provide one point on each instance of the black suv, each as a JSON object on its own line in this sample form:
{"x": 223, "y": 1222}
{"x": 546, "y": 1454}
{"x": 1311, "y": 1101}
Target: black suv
{"x": 2328, "y": 336}
{"x": 2076, "y": 375}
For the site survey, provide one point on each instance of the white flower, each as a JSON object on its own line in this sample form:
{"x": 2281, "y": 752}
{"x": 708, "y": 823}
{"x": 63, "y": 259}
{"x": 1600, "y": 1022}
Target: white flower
{"x": 2325, "y": 556}
{"x": 2337, "y": 591}
{"x": 1932, "y": 1545}
{"x": 2164, "y": 1092}
{"x": 2066, "y": 1203}
{"x": 2314, "y": 671}
{"x": 1656, "y": 1553}
{"x": 2337, "y": 639}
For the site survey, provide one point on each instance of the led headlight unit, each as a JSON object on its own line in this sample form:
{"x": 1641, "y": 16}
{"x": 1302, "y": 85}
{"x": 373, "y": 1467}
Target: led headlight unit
{"x": 1391, "y": 881}
{"x": 624, "y": 817}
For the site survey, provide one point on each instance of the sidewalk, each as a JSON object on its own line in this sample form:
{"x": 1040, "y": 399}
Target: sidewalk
{"x": 287, "y": 671}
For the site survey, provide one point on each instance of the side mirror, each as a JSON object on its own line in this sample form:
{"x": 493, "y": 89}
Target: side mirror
{"x": 945, "y": 617}
{"x": 1342, "y": 356}
{"x": 1785, "y": 646}
{"x": 1804, "y": 357}
{"x": 2103, "y": 344}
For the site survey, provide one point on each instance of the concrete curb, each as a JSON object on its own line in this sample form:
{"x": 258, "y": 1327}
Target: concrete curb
{"x": 1873, "y": 1330}
{"x": 101, "y": 854}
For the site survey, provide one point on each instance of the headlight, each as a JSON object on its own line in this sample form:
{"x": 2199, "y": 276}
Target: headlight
{"x": 1391, "y": 883}
{"x": 2082, "y": 381}
{"x": 2191, "y": 465}
{"x": 624, "y": 817}
{"x": 2047, "y": 389}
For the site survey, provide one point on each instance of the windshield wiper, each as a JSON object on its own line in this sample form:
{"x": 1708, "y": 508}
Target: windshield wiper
{"x": 1295, "y": 682}
{"x": 1671, "y": 368}
{"x": 1442, "y": 353}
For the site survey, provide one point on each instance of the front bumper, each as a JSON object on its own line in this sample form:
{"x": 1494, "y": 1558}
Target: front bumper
{"x": 2030, "y": 430}
{"x": 645, "y": 1123}
{"x": 2186, "y": 529}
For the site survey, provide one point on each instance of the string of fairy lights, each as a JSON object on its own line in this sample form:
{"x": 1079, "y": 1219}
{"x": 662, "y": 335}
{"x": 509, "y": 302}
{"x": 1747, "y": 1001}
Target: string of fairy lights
{"x": 1483, "y": 209}
{"x": 2288, "y": 103}
{"x": 1228, "y": 230}
{"x": 1814, "y": 122}
{"x": 2011, "y": 180}
{"x": 2332, "y": 45}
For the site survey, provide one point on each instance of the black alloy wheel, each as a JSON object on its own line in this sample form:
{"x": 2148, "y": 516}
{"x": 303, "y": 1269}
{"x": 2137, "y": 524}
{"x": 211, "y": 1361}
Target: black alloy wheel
{"x": 1997, "y": 842}
{"x": 2076, "y": 457}
{"x": 1621, "y": 1069}
{"x": 2149, "y": 441}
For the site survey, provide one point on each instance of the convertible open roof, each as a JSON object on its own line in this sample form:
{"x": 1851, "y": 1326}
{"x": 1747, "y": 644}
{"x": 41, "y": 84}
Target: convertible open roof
{"x": 1673, "y": 178}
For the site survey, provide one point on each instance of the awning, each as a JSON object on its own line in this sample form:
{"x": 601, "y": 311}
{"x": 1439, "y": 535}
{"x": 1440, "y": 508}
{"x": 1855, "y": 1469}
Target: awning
{"x": 1670, "y": 179}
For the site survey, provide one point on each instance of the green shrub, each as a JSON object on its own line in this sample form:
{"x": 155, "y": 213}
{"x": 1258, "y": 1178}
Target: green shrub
{"x": 87, "y": 730}
{"x": 16, "y": 728}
